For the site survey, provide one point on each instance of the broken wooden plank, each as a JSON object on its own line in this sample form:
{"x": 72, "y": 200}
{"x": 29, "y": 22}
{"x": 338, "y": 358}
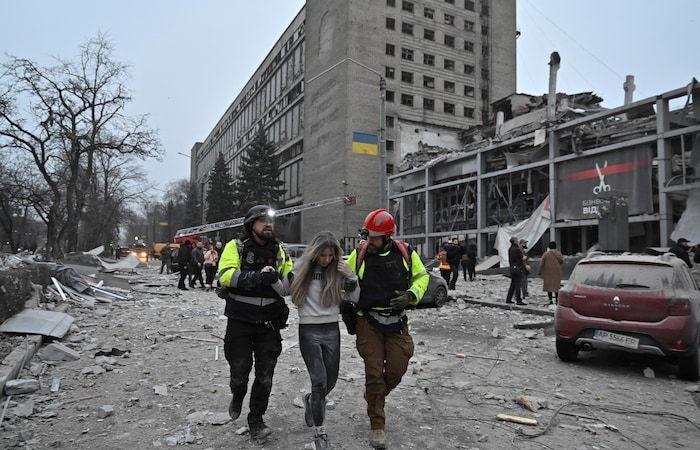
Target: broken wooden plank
{"x": 516, "y": 419}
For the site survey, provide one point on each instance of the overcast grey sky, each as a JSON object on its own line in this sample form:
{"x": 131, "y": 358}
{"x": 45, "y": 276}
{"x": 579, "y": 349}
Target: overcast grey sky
{"x": 189, "y": 59}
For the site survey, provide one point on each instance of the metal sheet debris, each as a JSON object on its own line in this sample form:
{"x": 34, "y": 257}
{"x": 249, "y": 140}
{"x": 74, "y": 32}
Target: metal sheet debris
{"x": 38, "y": 321}
{"x": 96, "y": 251}
{"x": 127, "y": 264}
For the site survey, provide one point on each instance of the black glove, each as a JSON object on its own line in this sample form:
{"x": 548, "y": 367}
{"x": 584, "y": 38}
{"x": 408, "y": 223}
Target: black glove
{"x": 402, "y": 300}
{"x": 350, "y": 284}
{"x": 269, "y": 278}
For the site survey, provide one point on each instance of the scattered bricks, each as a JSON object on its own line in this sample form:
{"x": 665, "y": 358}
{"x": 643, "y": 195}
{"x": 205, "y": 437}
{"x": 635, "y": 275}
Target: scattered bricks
{"x": 11, "y": 365}
{"x": 22, "y": 386}
{"x": 58, "y": 352}
{"x": 105, "y": 411}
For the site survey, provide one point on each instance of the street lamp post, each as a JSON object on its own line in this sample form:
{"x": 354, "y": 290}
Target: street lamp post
{"x": 383, "y": 202}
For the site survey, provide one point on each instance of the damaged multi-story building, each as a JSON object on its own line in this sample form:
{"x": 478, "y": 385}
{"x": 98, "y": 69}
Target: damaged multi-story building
{"x": 442, "y": 63}
{"x": 560, "y": 160}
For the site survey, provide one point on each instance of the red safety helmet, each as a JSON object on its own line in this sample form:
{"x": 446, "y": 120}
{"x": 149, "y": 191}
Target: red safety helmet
{"x": 380, "y": 223}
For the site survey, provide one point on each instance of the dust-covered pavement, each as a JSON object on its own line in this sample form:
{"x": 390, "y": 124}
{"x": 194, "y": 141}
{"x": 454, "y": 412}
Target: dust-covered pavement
{"x": 470, "y": 364}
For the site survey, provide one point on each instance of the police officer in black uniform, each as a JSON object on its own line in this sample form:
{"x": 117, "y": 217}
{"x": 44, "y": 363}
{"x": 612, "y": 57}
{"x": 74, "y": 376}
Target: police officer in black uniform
{"x": 255, "y": 276}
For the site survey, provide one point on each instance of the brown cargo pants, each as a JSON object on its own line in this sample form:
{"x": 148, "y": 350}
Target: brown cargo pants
{"x": 386, "y": 356}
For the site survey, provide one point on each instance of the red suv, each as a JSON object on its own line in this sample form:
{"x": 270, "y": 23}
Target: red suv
{"x": 634, "y": 303}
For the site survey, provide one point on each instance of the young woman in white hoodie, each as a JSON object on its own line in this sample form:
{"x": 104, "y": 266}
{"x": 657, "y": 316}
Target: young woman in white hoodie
{"x": 322, "y": 280}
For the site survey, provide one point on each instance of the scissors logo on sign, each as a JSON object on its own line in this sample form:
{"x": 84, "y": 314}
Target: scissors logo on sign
{"x": 602, "y": 186}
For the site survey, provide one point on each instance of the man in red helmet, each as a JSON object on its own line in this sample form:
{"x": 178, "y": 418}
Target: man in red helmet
{"x": 391, "y": 277}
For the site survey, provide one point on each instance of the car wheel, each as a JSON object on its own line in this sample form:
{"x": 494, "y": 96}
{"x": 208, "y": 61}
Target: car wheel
{"x": 440, "y": 296}
{"x": 689, "y": 367}
{"x": 567, "y": 351}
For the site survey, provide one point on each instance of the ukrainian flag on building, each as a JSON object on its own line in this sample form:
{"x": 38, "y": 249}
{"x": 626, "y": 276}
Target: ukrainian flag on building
{"x": 365, "y": 144}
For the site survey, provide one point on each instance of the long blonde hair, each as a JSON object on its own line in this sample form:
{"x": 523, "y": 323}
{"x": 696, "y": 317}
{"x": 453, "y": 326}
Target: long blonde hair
{"x": 332, "y": 282}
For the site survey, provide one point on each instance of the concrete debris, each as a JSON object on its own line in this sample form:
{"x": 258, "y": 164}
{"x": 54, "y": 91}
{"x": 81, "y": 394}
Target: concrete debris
{"x": 492, "y": 396}
{"x": 24, "y": 409}
{"x": 530, "y": 325}
{"x": 93, "y": 370}
{"x": 58, "y": 352}
{"x": 160, "y": 389}
{"x": 460, "y": 355}
{"x": 103, "y": 360}
{"x": 495, "y": 333}
{"x": 532, "y": 404}
{"x": 38, "y": 321}
{"x": 534, "y": 334}
{"x": 21, "y": 386}
{"x": 330, "y": 405}
{"x": 298, "y": 402}
{"x": 208, "y": 418}
{"x": 242, "y": 430}
{"x": 184, "y": 437}
{"x": 693, "y": 388}
{"x": 649, "y": 372}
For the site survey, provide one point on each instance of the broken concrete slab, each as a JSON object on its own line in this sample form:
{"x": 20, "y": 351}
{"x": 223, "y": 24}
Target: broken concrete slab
{"x": 11, "y": 365}
{"x": 208, "y": 418}
{"x": 160, "y": 389}
{"x": 21, "y": 386}
{"x": 24, "y": 409}
{"x": 534, "y": 324}
{"x": 93, "y": 370}
{"x": 105, "y": 411}
{"x": 58, "y": 352}
{"x": 38, "y": 321}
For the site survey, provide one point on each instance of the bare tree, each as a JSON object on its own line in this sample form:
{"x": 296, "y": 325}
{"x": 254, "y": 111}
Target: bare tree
{"x": 61, "y": 118}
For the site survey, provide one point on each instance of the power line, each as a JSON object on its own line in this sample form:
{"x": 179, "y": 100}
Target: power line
{"x": 554, "y": 47}
{"x": 603, "y": 63}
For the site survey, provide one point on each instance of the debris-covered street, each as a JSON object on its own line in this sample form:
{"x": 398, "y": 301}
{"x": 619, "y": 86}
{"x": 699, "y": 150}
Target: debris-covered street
{"x": 160, "y": 379}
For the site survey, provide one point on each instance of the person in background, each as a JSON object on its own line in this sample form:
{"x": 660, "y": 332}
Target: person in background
{"x": 526, "y": 266}
{"x": 321, "y": 280}
{"x": 211, "y": 260}
{"x": 454, "y": 255}
{"x": 196, "y": 265}
{"x": 516, "y": 263}
{"x": 471, "y": 261}
{"x": 444, "y": 268}
{"x": 680, "y": 249}
{"x": 219, "y": 248}
{"x": 184, "y": 259}
{"x": 464, "y": 263}
{"x": 165, "y": 255}
{"x": 550, "y": 270}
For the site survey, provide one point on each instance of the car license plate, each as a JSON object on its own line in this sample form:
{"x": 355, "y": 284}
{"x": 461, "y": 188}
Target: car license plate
{"x": 617, "y": 339}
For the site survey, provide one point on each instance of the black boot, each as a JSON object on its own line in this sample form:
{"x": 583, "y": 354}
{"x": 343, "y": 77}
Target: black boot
{"x": 259, "y": 431}
{"x": 234, "y": 408}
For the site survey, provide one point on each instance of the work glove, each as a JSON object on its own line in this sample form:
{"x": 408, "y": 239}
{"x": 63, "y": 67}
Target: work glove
{"x": 269, "y": 278}
{"x": 402, "y": 300}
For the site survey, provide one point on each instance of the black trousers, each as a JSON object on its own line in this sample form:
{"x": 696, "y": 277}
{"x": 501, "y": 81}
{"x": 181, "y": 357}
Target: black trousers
{"x": 471, "y": 269}
{"x": 183, "y": 275}
{"x": 516, "y": 284}
{"x": 463, "y": 264}
{"x": 454, "y": 270}
{"x": 210, "y": 271}
{"x": 242, "y": 342}
{"x": 164, "y": 263}
{"x": 196, "y": 270}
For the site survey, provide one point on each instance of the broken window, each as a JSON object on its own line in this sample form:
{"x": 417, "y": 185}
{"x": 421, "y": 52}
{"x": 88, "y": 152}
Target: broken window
{"x": 449, "y": 19}
{"x": 469, "y": 46}
{"x": 429, "y": 13}
{"x": 468, "y": 69}
{"x": 390, "y": 49}
{"x": 468, "y": 25}
{"x": 407, "y": 6}
{"x": 449, "y": 64}
{"x": 428, "y": 82}
{"x": 449, "y": 108}
{"x": 428, "y": 59}
{"x": 449, "y": 86}
{"x": 468, "y": 112}
{"x": 407, "y": 77}
{"x": 454, "y": 208}
{"x": 390, "y": 96}
{"x": 389, "y": 72}
{"x": 468, "y": 90}
{"x": 469, "y": 5}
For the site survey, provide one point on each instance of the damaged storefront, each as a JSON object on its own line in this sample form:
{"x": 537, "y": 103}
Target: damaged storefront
{"x": 571, "y": 152}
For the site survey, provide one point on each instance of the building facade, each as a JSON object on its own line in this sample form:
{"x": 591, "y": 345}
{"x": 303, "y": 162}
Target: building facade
{"x": 443, "y": 61}
{"x": 646, "y": 153}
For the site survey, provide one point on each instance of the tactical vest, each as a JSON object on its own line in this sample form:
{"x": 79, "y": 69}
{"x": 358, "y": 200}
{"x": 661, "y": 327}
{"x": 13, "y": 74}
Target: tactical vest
{"x": 382, "y": 276}
{"x": 254, "y": 257}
